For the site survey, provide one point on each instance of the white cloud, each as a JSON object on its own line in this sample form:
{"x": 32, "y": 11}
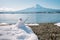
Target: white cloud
{"x": 7, "y": 9}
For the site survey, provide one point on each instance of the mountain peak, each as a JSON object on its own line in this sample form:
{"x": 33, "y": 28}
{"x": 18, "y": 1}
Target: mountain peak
{"x": 38, "y": 6}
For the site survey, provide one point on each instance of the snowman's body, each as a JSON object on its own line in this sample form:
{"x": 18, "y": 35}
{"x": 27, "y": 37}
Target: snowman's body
{"x": 20, "y": 24}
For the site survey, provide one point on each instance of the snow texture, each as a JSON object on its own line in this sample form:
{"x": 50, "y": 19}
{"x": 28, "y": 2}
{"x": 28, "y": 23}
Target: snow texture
{"x": 17, "y": 32}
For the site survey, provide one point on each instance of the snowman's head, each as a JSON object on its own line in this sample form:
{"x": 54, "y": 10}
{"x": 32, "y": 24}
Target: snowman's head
{"x": 20, "y": 19}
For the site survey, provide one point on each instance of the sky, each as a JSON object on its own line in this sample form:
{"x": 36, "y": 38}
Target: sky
{"x": 14, "y": 5}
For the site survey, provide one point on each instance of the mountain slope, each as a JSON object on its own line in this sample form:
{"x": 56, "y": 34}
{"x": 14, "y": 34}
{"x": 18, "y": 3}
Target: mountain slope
{"x": 38, "y": 8}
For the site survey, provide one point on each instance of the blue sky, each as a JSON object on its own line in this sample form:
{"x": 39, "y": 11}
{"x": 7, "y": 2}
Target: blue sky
{"x": 22, "y": 4}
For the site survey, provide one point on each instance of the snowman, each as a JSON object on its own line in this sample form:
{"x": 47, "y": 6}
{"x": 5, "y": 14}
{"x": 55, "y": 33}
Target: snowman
{"x": 20, "y": 24}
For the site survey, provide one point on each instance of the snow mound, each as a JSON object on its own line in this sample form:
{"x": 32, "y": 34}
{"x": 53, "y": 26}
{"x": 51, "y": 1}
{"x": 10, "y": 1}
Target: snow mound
{"x": 12, "y": 32}
{"x": 58, "y": 24}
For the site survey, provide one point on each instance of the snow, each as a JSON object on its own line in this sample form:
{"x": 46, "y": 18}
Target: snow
{"x": 32, "y": 24}
{"x": 3, "y": 24}
{"x": 17, "y": 32}
{"x": 58, "y": 24}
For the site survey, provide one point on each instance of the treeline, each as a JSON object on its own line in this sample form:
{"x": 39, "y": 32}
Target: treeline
{"x": 25, "y": 12}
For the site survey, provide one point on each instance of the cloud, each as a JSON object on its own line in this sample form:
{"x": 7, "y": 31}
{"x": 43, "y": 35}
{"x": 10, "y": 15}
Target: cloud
{"x": 7, "y": 9}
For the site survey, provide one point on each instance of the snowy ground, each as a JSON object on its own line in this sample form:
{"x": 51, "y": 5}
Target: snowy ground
{"x": 11, "y": 32}
{"x": 58, "y": 24}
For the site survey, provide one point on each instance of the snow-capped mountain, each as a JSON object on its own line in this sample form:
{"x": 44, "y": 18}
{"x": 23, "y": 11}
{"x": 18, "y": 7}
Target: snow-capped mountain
{"x": 39, "y": 8}
{"x": 36, "y": 8}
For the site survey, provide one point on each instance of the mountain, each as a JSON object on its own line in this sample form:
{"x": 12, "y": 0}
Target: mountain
{"x": 39, "y": 8}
